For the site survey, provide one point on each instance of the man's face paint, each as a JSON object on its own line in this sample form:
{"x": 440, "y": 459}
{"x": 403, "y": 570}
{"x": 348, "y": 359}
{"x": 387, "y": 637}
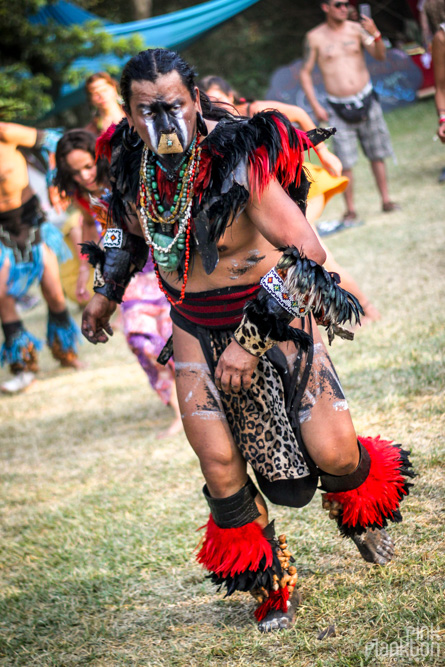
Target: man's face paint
{"x": 163, "y": 114}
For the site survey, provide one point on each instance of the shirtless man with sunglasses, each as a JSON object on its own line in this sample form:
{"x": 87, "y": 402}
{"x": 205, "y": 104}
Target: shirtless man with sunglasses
{"x": 337, "y": 46}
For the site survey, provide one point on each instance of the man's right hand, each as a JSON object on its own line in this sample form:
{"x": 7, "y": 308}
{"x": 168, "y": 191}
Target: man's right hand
{"x": 96, "y": 319}
{"x": 441, "y": 132}
{"x": 321, "y": 113}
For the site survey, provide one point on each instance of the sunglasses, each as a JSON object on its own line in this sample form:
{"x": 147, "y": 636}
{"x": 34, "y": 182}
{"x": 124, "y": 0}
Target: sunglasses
{"x": 339, "y": 5}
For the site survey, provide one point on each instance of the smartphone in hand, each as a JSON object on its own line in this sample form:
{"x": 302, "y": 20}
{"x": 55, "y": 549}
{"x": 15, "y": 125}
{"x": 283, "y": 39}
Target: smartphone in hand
{"x": 364, "y": 10}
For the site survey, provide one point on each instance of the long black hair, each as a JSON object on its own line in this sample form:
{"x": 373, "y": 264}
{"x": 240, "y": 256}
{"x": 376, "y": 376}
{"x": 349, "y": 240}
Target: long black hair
{"x": 150, "y": 64}
{"x": 71, "y": 141}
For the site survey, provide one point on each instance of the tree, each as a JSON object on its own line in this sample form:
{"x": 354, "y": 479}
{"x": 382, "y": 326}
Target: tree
{"x": 36, "y": 60}
{"x": 141, "y": 9}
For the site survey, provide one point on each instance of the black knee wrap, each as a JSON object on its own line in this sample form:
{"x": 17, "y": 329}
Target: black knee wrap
{"x": 336, "y": 483}
{"x": 236, "y": 510}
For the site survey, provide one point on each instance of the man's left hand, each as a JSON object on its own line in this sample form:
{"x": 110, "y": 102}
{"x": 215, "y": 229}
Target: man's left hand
{"x": 235, "y": 369}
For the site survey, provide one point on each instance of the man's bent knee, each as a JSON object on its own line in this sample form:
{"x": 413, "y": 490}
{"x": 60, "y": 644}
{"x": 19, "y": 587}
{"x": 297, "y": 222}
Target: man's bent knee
{"x": 339, "y": 456}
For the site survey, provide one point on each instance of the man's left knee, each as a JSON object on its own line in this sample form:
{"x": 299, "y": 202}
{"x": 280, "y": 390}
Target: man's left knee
{"x": 340, "y": 455}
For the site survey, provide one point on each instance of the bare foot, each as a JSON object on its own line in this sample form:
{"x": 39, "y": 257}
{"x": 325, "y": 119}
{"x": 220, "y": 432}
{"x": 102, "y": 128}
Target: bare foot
{"x": 174, "y": 428}
{"x": 375, "y": 546}
{"x": 281, "y": 620}
{"x": 73, "y": 361}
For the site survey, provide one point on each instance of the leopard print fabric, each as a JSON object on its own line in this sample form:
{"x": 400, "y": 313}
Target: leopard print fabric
{"x": 258, "y": 421}
{"x": 248, "y": 336}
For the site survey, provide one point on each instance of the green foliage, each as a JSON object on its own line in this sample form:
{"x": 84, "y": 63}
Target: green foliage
{"x": 23, "y": 95}
{"x": 46, "y": 54}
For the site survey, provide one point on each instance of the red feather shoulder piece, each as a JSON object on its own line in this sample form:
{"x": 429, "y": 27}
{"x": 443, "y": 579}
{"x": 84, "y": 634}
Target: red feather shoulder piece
{"x": 283, "y": 161}
{"x": 103, "y": 143}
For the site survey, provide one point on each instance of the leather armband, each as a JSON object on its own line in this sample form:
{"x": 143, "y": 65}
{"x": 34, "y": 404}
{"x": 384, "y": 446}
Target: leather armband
{"x": 123, "y": 256}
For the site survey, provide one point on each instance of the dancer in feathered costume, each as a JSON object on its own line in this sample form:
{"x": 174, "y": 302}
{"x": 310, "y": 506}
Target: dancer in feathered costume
{"x": 220, "y": 201}
{"x": 30, "y": 249}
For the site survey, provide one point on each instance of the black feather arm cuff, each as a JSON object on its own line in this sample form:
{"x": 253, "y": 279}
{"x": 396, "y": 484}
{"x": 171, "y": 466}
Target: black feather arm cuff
{"x": 296, "y": 287}
{"x": 124, "y": 255}
{"x": 302, "y": 286}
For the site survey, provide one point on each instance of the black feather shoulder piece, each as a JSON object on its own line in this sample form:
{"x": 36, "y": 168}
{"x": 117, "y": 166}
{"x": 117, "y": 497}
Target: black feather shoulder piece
{"x": 239, "y": 157}
{"x": 246, "y": 155}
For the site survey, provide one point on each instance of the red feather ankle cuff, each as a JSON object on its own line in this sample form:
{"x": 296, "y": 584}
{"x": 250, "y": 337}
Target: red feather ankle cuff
{"x": 277, "y": 601}
{"x": 377, "y": 500}
{"x": 231, "y": 551}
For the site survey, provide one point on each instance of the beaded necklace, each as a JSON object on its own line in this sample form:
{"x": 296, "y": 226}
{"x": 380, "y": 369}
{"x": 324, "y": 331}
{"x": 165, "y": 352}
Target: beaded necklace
{"x": 153, "y": 213}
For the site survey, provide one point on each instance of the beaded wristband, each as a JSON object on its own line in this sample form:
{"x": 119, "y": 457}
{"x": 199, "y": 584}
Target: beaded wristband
{"x": 294, "y": 304}
{"x": 441, "y": 120}
{"x": 377, "y": 36}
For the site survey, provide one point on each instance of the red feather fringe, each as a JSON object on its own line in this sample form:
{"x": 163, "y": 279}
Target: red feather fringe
{"x": 289, "y": 163}
{"x": 103, "y": 143}
{"x": 276, "y": 600}
{"x": 230, "y": 551}
{"x": 380, "y": 494}
{"x": 205, "y": 170}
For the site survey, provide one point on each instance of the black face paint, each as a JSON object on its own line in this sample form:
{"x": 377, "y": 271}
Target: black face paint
{"x": 168, "y": 131}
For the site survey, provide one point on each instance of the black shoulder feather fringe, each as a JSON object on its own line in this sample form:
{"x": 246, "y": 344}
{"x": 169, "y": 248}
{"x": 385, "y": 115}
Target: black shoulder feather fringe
{"x": 268, "y": 142}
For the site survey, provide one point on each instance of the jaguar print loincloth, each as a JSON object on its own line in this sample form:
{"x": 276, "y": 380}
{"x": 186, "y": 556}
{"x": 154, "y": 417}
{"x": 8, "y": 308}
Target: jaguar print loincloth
{"x": 258, "y": 420}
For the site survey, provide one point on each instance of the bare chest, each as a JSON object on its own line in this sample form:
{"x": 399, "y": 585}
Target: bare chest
{"x": 13, "y": 178}
{"x": 336, "y": 51}
{"x": 244, "y": 256}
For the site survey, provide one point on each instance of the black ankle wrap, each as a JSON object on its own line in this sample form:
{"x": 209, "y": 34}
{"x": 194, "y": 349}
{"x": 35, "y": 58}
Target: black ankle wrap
{"x": 234, "y": 511}
{"x": 11, "y": 328}
{"x": 62, "y": 319}
{"x": 336, "y": 483}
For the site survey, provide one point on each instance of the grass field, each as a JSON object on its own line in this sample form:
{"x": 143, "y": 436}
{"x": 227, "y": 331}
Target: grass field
{"x": 98, "y": 516}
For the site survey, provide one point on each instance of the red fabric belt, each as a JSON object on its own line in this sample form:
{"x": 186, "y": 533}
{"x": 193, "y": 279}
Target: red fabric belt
{"x": 214, "y": 309}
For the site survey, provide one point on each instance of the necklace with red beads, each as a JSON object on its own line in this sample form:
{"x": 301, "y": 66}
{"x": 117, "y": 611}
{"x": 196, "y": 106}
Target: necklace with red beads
{"x": 166, "y": 248}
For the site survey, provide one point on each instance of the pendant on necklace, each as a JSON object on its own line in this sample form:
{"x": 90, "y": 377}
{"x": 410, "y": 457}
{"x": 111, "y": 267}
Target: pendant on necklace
{"x": 171, "y": 175}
